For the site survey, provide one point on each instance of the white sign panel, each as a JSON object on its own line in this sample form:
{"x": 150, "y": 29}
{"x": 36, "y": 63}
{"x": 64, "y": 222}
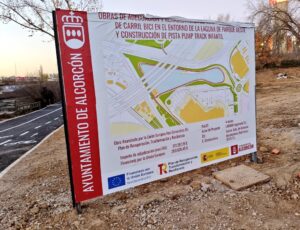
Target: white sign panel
{"x": 171, "y": 94}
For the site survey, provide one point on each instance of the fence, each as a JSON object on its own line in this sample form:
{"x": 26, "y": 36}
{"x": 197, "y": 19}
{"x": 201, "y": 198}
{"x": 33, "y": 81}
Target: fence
{"x": 28, "y": 107}
{"x": 12, "y": 106}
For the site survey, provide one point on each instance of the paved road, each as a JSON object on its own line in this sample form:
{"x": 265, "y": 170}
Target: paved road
{"x": 20, "y": 134}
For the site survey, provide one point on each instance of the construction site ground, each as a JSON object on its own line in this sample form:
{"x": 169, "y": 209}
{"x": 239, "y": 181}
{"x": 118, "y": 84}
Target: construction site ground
{"x": 35, "y": 194}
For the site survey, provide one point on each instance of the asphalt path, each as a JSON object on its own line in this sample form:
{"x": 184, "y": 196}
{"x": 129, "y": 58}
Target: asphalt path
{"x": 20, "y": 134}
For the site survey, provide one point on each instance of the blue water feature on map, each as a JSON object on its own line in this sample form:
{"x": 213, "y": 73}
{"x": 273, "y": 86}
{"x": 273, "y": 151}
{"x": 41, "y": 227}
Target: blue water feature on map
{"x": 179, "y": 77}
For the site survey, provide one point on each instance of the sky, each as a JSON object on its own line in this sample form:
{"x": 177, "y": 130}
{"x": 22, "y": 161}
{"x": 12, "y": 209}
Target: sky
{"x": 22, "y": 55}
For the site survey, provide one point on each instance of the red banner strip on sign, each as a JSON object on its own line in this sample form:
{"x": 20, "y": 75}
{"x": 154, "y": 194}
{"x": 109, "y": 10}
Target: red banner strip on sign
{"x": 80, "y": 103}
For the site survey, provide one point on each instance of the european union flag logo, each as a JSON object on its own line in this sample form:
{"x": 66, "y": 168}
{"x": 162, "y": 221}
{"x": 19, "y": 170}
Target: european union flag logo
{"x": 116, "y": 181}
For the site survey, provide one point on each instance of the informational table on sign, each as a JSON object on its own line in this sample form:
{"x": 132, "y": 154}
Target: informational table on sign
{"x": 149, "y": 97}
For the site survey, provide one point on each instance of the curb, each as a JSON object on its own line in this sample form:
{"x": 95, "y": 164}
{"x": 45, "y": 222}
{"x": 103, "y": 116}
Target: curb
{"x": 28, "y": 152}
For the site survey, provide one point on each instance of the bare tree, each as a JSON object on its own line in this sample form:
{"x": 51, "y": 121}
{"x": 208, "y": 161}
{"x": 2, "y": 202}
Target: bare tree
{"x": 224, "y": 18}
{"x": 272, "y": 19}
{"x": 42, "y": 75}
{"x": 35, "y": 15}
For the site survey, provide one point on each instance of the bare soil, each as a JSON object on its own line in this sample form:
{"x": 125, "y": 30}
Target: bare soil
{"x": 35, "y": 194}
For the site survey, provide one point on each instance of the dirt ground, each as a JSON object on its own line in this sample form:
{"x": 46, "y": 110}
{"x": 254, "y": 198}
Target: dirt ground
{"x": 35, "y": 194}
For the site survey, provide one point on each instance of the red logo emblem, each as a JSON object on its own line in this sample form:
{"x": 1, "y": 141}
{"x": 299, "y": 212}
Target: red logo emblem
{"x": 234, "y": 149}
{"x": 73, "y": 31}
{"x": 163, "y": 169}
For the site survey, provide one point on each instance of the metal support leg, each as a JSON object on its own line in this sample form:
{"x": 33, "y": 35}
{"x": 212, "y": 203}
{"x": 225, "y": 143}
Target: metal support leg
{"x": 78, "y": 208}
{"x": 254, "y": 157}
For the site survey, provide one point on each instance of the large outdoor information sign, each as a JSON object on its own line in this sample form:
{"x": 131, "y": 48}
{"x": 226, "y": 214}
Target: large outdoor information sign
{"x": 149, "y": 97}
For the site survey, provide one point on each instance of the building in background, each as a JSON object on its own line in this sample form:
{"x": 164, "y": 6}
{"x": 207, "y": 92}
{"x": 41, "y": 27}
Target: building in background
{"x": 282, "y": 42}
{"x": 281, "y": 4}
{"x": 52, "y": 77}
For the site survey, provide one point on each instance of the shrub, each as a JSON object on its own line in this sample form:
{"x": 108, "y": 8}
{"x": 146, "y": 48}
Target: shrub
{"x": 290, "y": 63}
